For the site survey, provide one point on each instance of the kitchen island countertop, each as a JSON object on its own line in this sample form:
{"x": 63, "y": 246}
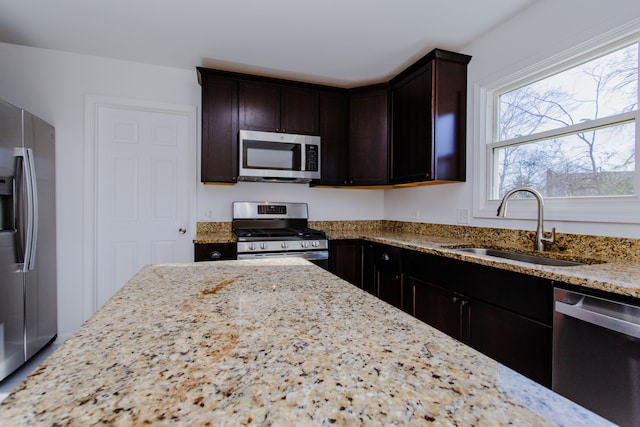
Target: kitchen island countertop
{"x": 277, "y": 342}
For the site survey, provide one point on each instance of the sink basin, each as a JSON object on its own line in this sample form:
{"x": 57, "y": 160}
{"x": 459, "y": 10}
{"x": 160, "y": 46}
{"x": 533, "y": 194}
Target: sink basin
{"x": 518, "y": 256}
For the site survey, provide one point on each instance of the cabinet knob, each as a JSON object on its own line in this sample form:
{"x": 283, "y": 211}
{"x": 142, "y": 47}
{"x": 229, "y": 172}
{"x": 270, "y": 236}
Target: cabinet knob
{"x": 182, "y": 230}
{"x": 215, "y": 255}
{"x": 385, "y": 257}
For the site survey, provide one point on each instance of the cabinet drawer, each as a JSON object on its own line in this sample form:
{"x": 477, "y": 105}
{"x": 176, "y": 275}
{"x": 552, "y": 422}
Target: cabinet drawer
{"x": 516, "y": 341}
{"x": 215, "y": 251}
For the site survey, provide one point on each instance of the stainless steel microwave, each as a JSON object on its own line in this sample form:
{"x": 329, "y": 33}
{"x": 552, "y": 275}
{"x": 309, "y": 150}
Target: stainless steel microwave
{"x": 278, "y": 157}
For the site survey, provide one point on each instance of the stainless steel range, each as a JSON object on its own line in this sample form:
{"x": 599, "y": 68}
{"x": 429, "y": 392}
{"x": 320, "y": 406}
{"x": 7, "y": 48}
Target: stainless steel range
{"x": 265, "y": 230}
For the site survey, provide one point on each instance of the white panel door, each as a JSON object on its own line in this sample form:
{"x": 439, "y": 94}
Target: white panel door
{"x": 142, "y": 190}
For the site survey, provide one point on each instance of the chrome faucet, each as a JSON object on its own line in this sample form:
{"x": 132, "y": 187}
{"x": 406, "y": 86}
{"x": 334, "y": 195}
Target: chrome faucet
{"x": 540, "y": 235}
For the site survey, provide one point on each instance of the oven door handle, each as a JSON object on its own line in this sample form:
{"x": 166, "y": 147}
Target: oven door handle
{"x": 613, "y": 321}
{"x": 308, "y": 255}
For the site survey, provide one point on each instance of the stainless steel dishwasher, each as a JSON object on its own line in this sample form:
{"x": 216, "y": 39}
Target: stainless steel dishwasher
{"x": 596, "y": 355}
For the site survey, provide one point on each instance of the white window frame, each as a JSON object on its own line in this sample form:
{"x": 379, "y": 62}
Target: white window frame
{"x": 610, "y": 209}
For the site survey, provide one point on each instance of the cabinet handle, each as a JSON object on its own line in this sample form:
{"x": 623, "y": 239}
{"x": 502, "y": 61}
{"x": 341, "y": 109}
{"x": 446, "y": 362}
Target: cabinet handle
{"x": 215, "y": 255}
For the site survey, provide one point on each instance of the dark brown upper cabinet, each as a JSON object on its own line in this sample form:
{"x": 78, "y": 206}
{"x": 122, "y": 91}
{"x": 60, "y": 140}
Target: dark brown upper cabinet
{"x": 368, "y": 151}
{"x": 334, "y": 133}
{"x": 410, "y": 131}
{"x": 429, "y": 104}
{"x": 219, "y": 128}
{"x": 355, "y": 136}
{"x": 278, "y": 108}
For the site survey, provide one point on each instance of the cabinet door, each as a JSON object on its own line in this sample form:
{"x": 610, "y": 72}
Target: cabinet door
{"x": 520, "y": 343}
{"x": 389, "y": 286}
{"x": 369, "y": 135}
{"x": 412, "y": 139}
{"x": 334, "y": 131}
{"x": 388, "y": 274}
{"x": 219, "y": 130}
{"x": 429, "y": 109}
{"x": 435, "y": 306}
{"x": 299, "y": 110}
{"x": 259, "y": 106}
{"x": 450, "y": 120}
{"x": 346, "y": 260}
{"x": 369, "y": 269}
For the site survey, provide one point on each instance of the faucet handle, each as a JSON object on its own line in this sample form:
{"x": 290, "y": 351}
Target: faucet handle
{"x": 550, "y": 239}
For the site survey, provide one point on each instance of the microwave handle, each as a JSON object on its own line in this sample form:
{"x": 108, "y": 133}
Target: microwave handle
{"x": 286, "y": 180}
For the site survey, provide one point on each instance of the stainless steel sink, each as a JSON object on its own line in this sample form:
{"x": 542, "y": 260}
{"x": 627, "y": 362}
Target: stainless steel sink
{"x": 518, "y": 256}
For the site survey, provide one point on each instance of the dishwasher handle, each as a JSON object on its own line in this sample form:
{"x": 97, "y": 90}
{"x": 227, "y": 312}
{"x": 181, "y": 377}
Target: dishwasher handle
{"x": 607, "y": 321}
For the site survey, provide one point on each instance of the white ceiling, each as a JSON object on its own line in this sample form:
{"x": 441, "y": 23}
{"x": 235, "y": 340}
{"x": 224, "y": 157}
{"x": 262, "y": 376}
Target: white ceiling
{"x": 338, "y": 42}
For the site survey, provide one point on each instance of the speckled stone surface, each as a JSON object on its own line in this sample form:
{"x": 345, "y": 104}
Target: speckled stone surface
{"x": 278, "y": 342}
{"x": 613, "y": 263}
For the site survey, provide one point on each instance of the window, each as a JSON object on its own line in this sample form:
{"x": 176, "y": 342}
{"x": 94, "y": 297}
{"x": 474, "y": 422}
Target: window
{"x": 568, "y": 134}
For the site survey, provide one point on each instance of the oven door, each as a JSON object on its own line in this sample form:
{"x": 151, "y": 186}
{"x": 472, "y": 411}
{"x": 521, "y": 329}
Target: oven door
{"x": 319, "y": 258}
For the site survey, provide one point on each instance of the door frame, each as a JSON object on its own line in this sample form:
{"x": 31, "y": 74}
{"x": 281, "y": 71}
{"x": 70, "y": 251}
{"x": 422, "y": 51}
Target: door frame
{"x": 92, "y": 105}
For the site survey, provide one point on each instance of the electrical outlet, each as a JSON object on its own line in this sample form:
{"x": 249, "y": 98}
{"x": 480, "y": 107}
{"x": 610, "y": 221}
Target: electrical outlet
{"x": 463, "y": 216}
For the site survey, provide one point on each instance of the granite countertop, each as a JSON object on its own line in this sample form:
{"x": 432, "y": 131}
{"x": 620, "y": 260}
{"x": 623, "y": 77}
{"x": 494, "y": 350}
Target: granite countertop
{"x": 616, "y": 274}
{"x": 276, "y": 342}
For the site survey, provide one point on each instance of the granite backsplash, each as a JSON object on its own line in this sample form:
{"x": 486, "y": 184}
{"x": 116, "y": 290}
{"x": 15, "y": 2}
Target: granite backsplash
{"x": 588, "y": 246}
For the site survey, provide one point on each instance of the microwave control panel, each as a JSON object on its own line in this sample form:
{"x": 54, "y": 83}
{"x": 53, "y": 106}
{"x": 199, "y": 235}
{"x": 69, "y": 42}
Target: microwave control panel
{"x": 311, "y": 156}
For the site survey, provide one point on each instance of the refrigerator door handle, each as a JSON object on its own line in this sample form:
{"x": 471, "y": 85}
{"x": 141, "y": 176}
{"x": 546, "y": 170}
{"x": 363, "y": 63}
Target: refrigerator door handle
{"x": 31, "y": 204}
{"x": 33, "y": 191}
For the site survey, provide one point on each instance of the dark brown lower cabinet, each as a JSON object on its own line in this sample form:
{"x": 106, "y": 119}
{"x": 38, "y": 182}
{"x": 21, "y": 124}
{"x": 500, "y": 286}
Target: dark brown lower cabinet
{"x": 436, "y": 306}
{"x": 518, "y": 342}
{"x": 505, "y": 315}
{"x": 345, "y": 260}
{"x": 382, "y": 272}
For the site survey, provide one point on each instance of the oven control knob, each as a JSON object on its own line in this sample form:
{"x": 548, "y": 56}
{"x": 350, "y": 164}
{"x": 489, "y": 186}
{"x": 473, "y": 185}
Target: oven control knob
{"x": 305, "y": 244}
{"x": 284, "y": 245}
{"x": 252, "y": 246}
{"x": 315, "y": 243}
{"x": 263, "y": 246}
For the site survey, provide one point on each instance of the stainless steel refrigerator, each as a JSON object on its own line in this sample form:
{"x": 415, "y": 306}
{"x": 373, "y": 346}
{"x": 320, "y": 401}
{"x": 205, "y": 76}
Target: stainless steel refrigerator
{"x": 28, "y": 295}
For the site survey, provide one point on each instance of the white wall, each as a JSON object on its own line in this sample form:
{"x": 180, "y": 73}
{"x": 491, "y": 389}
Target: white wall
{"x": 546, "y": 28}
{"x": 214, "y": 201}
{"x": 53, "y": 85}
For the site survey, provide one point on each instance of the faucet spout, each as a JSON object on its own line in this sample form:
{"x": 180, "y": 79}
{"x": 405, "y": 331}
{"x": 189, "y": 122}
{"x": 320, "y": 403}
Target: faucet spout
{"x": 541, "y": 239}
